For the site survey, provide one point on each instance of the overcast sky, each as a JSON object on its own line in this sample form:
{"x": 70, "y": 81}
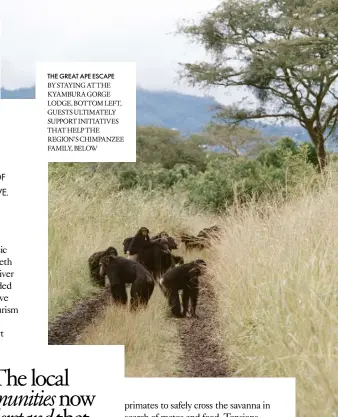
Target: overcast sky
{"x": 101, "y": 30}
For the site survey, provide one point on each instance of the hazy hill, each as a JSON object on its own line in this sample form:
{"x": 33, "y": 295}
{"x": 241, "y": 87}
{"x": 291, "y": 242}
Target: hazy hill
{"x": 20, "y": 93}
{"x": 187, "y": 113}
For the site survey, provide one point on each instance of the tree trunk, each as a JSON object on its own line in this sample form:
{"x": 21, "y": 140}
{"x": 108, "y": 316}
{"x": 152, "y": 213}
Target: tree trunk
{"x": 321, "y": 153}
{"x": 319, "y": 143}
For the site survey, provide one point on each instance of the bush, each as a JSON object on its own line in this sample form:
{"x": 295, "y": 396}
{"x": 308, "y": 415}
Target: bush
{"x": 234, "y": 180}
{"x": 167, "y": 148}
{"x": 276, "y": 156}
{"x": 213, "y": 182}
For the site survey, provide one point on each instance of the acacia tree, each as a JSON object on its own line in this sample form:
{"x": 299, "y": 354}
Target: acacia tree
{"x": 285, "y": 51}
{"x": 238, "y": 141}
{"x": 235, "y": 140}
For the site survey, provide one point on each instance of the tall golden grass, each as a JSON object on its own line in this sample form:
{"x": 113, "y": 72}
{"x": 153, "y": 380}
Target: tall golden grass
{"x": 150, "y": 338}
{"x": 277, "y": 286}
{"x": 275, "y": 277}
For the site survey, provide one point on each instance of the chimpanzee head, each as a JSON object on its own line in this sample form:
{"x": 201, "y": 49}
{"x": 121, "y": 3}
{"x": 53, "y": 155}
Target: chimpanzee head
{"x": 111, "y": 251}
{"x": 105, "y": 262}
{"x": 143, "y": 231}
{"x": 200, "y": 263}
{"x": 199, "y": 266}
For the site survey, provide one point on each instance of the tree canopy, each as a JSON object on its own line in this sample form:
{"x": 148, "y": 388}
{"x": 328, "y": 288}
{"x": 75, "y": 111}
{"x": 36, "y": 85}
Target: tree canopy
{"x": 235, "y": 140}
{"x": 284, "y": 51}
{"x": 167, "y": 147}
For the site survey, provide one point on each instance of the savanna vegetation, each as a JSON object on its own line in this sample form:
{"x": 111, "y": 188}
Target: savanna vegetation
{"x": 274, "y": 270}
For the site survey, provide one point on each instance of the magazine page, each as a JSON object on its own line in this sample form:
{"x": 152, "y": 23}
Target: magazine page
{"x": 168, "y": 197}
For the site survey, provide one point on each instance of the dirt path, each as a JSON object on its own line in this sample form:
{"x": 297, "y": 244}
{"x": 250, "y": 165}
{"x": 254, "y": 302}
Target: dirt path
{"x": 66, "y": 328}
{"x": 202, "y": 351}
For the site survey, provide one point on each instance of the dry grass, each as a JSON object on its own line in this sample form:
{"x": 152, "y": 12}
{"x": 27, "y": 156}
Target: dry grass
{"x": 149, "y": 337}
{"x": 278, "y": 301}
{"x": 276, "y": 279}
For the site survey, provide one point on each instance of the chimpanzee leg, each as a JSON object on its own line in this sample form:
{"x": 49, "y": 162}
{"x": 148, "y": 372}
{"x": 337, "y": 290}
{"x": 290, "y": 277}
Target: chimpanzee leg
{"x": 135, "y": 298}
{"x": 174, "y": 303}
{"x": 185, "y": 300}
{"x": 119, "y": 293}
{"x": 194, "y": 298}
{"x": 140, "y": 293}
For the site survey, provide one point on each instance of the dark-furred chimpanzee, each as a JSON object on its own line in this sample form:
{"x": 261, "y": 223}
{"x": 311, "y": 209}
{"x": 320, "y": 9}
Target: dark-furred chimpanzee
{"x": 171, "y": 241}
{"x": 121, "y": 271}
{"x": 139, "y": 242}
{"x": 156, "y": 257}
{"x": 167, "y": 259}
{"x": 184, "y": 277}
{"x": 94, "y": 265}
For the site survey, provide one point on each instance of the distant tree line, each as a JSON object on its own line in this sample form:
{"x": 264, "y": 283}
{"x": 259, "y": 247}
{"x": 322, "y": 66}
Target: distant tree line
{"x": 247, "y": 167}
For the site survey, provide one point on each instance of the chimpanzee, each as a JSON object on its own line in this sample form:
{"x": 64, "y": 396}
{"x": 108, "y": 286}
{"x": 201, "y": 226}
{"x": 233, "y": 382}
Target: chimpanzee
{"x": 168, "y": 260}
{"x": 139, "y": 242}
{"x": 184, "y": 277}
{"x": 121, "y": 271}
{"x": 156, "y": 257}
{"x": 94, "y": 265}
{"x": 171, "y": 241}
